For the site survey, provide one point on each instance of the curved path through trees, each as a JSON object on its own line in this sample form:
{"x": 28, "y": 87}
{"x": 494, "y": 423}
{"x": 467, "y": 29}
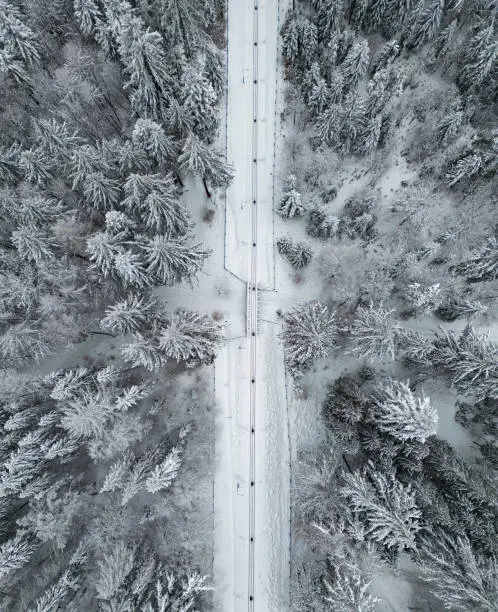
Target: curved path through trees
{"x": 251, "y": 537}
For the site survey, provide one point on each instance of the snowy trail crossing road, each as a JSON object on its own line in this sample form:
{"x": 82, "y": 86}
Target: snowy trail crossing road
{"x": 251, "y": 538}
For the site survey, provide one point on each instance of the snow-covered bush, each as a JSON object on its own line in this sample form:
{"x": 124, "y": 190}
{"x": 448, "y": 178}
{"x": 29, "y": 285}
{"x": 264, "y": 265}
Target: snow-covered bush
{"x": 424, "y": 298}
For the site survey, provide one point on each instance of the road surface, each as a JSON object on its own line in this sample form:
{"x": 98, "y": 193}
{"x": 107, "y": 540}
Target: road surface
{"x": 251, "y": 539}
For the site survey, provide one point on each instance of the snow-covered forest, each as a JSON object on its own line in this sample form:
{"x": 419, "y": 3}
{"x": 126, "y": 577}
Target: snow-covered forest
{"x": 388, "y": 193}
{"x": 144, "y": 370}
{"x": 109, "y": 112}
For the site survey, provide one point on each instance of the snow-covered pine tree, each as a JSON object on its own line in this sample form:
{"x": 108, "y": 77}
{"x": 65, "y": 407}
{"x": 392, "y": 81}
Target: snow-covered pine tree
{"x": 129, "y": 267}
{"x": 117, "y": 222}
{"x": 290, "y": 203}
{"x": 329, "y": 18}
{"x": 143, "y": 352}
{"x": 328, "y": 124}
{"x": 478, "y": 57}
{"x": 387, "y": 506}
{"x": 298, "y": 254}
{"x": 319, "y": 97}
{"x": 352, "y": 120}
{"x": 308, "y": 37}
{"x": 426, "y": 298}
{"x": 308, "y": 333}
{"x": 375, "y": 333}
{"x": 290, "y": 38}
{"x": 172, "y": 260}
{"x": 88, "y": 15}
{"x": 200, "y": 103}
{"x": 387, "y": 54}
{"x": 23, "y": 341}
{"x": 150, "y": 137}
{"x": 35, "y": 166}
{"x": 483, "y": 266}
{"x": 349, "y": 590}
{"x": 459, "y": 577}
{"x": 458, "y": 306}
{"x": 357, "y": 13}
{"x": 206, "y": 162}
{"x": 214, "y": 69}
{"x": 464, "y": 168}
{"x": 102, "y": 249}
{"x": 33, "y": 244}
{"x": 163, "y": 475}
{"x": 472, "y": 360}
{"x": 15, "y": 553}
{"x": 369, "y": 137}
{"x": 18, "y": 40}
{"x": 399, "y": 413}
{"x": 129, "y": 315}
{"x": 56, "y": 140}
{"x": 375, "y": 14}
{"x": 191, "y": 337}
{"x": 449, "y": 126}
{"x": 443, "y": 45}
{"x": 426, "y": 25}
{"x": 153, "y": 199}
{"x": 100, "y": 192}
{"x": 321, "y": 224}
{"x": 355, "y": 64}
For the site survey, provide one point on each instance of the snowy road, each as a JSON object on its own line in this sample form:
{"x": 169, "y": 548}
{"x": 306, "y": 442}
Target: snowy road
{"x": 251, "y": 539}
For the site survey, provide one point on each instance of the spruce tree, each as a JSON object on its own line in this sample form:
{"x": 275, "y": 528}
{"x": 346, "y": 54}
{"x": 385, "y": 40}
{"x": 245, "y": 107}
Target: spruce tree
{"x": 290, "y": 203}
{"x": 388, "y": 507}
{"x": 308, "y": 334}
{"x": 355, "y": 64}
{"x": 375, "y": 333}
{"x": 399, "y": 413}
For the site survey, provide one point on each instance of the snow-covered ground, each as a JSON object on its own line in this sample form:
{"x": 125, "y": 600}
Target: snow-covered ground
{"x": 251, "y": 538}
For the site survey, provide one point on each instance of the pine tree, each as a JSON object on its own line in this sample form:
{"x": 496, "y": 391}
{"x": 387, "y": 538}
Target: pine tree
{"x": 88, "y": 15}
{"x": 328, "y": 124}
{"x": 448, "y": 128}
{"x": 153, "y": 198}
{"x": 375, "y": 333}
{"x": 102, "y": 249}
{"x": 16, "y": 37}
{"x": 150, "y": 137}
{"x": 100, "y": 192}
{"x": 460, "y": 578}
{"x": 375, "y": 14}
{"x": 171, "y": 260}
{"x": 33, "y": 244}
{"x": 388, "y": 53}
{"x": 370, "y": 136}
{"x": 215, "y": 70}
{"x": 190, "y": 337}
{"x": 290, "y": 39}
{"x": 322, "y": 224}
{"x": 183, "y": 20}
{"x": 349, "y": 590}
{"x": 15, "y": 553}
{"x": 35, "y": 166}
{"x": 206, "y": 162}
{"x": 117, "y": 223}
{"x": 129, "y": 267}
{"x": 478, "y": 57}
{"x": 199, "y": 101}
{"x": 426, "y": 26}
{"x": 389, "y": 509}
{"x": 128, "y": 315}
{"x": 309, "y": 333}
{"x": 329, "y": 18}
{"x": 319, "y": 97}
{"x": 308, "y": 40}
{"x": 290, "y": 204}
{"x": 143, "y": 353}
{"x": 355, "y": 64}
{"x": 357, "y": 13}
{"x": 443, "y": 44}
{"x": 163, "y": 475}
{"x": 472, "y": 359}
{"x": 464, "y": 168}
{"x": 456, "y": 307}
{"x": 483, "y": 265}
{"x": 56, "y": 140}
{"x": 352, "y": 121}
{"x": 423, "y": 298}
{"x": 298, "y": 254}
{"x": 398, "y": 412}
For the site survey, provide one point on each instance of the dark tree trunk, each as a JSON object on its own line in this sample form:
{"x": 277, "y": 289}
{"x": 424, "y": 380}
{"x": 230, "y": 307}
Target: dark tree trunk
{"x": 206, "y": 188}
